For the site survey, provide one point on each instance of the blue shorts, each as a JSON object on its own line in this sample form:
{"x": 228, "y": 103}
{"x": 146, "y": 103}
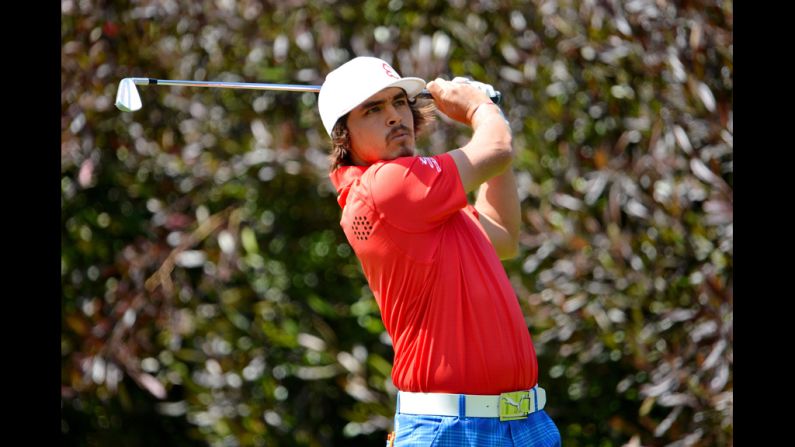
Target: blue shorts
{"x": 537, "y": 430}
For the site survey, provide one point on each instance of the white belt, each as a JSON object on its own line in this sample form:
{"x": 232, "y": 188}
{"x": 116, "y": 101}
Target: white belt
{"x": 506, "y": 406}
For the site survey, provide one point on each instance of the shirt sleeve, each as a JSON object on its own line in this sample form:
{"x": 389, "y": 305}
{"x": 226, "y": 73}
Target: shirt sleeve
{"x": 418, "y": 193}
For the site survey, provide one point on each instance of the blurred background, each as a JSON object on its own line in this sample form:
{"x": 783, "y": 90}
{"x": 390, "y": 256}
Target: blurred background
{"x": 211, "y": 299}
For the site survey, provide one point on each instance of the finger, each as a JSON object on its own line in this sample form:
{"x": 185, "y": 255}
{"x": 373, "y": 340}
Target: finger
{"x": 433, "y": 85}
{"x": 486, "y": 88}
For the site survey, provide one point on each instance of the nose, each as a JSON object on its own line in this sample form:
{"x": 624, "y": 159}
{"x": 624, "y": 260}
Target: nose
{"x": 393, "y": 117}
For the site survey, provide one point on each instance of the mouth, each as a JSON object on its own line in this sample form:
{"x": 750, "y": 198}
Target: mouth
{"x": 398, "y": 134}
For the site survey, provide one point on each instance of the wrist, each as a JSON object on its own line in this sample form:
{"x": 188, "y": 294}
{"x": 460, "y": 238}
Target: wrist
{"x": 478, "y": 111}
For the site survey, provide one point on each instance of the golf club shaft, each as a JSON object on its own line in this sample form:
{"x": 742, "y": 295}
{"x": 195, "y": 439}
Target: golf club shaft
{"x": 237, "y": 85}
{"x": 424, "y": 94}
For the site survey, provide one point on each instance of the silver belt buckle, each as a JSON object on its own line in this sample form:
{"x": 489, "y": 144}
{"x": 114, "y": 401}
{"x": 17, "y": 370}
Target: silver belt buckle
{"x": 514, "y": 405}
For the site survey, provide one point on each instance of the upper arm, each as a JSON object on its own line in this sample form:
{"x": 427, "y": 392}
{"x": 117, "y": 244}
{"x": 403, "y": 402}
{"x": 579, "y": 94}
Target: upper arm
{"x": 503, "y": 241}
{"x": 416, "y": 193}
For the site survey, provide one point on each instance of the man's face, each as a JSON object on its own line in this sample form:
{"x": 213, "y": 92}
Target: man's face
{"x": 382, "y": 127}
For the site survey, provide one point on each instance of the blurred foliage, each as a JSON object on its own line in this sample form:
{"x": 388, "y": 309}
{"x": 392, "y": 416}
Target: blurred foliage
{"x": 210, "y": 298}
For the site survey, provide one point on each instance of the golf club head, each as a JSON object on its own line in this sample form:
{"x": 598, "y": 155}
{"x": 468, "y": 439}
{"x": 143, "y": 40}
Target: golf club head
{"x": 127, "y": 98}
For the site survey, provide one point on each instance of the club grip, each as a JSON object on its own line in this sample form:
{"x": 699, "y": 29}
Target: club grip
{"x": 425, "y": 94}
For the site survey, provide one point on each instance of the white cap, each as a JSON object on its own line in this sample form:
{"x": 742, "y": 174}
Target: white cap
{"x": 353, "y": 82}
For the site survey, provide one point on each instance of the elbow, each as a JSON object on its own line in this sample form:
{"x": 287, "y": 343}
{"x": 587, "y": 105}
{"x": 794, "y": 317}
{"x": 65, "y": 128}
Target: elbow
{"x": 502, "y": 153}
{"x": 509, "y": 245}
{"x": 504, "y": 144}
{"x": 492, "y": 146}
{"x": 509, "y": 251}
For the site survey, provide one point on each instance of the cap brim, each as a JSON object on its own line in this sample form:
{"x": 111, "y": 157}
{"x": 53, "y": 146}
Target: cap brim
{"x": 412, "y": 87}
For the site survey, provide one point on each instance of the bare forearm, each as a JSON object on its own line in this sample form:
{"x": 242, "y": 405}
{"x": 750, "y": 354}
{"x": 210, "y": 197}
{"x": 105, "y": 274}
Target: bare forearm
{"x": 491, "y": 142}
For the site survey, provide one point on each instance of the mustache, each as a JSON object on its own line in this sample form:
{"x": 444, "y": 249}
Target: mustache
{"x": 397, "y": 130}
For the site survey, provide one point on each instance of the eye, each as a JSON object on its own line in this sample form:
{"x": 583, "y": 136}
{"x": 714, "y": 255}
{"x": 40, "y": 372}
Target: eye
{"x": 372, "y": 109}
{"x": 401, "y": 102}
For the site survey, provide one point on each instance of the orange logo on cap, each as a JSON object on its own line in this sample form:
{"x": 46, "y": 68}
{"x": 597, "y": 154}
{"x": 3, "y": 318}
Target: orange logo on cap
{"x": 389, "y": 71}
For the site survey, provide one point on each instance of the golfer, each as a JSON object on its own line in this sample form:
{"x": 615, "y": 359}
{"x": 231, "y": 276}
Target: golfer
{"x": 464, "y": 364}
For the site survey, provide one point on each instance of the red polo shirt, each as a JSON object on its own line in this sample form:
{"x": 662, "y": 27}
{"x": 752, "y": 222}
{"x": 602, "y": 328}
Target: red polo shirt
{"x": 445, "y": 299}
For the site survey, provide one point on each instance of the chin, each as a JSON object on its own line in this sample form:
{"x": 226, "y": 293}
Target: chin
{"x": 406, "y": 152}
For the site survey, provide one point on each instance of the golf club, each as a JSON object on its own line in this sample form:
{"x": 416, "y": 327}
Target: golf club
{"x": 128, "y": 99}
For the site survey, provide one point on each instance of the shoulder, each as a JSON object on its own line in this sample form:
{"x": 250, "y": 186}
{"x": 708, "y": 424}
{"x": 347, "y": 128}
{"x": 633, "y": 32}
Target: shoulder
{"x": 417, "y": 166}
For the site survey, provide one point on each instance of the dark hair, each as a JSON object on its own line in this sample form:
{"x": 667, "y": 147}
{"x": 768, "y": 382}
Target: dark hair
{"x": 341, "y": 140}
